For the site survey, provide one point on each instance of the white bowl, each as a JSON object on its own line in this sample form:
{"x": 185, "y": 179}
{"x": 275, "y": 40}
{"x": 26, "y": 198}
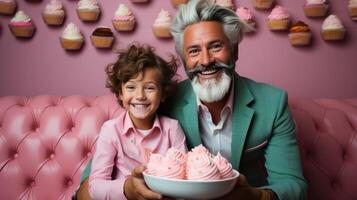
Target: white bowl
{"x": 191, "y": 189}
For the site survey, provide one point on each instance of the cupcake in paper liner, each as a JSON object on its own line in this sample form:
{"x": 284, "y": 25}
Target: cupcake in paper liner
{"x": 123, "y": 19}
{"x": 279, "y": 19}
{"x": 352, "y": 9}
{"x": 102, "y": 37}
{"x": 7, "y": 7}
{"x": 300, "y": 34}
{"x": 262, "y": 4}
{"x": 162, "y": 24}
{"x": 53, "y": 14}
{"x": 21, "y": 25}
{"x": 88, "y": 10}
{"x": 332, "y": 29}
{"x": 315, "y": 8}
{"x": 71, "y": 38}
{"x": 139, "y": 1}
{"x": 246, "y": 16}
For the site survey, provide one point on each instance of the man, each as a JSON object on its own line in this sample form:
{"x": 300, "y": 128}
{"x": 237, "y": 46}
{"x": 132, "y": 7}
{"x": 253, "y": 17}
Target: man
{"x": 249, "y": 123}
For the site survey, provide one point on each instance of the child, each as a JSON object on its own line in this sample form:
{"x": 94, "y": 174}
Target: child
{"x": 141, "y": 80}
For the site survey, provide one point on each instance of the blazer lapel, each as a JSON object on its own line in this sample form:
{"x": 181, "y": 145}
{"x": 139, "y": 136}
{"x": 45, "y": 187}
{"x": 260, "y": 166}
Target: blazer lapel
{"x": 242, "y": 116}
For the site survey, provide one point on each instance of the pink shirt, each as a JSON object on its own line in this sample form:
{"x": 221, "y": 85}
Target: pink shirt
{"x": 123, "y": 147}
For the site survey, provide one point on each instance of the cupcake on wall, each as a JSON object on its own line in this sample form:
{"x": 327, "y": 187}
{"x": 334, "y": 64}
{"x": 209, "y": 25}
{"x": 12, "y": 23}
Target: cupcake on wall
{"x": 88, "y": 10}
{"x": 21, "y": 25}
{"x": 176, "y": 3}
{"x": 102, "y": 37}
{"x": 246, "y": 15}
{"x": 7, "y": 7}
{"x": 162, "y": 24}
{"x": 53, "y": 13}
{"x": 300, "y": 34}
{"x": 352, "y": 9}
{"x": 332, "y": 29}
{"x": 262, "y": 4}
{"x": 124, "y": 19}
{"x": 226, "y": 4}
{"x": 71, "y": 38}
{"x": 279, "y": 19}
{"x": 315, "y": 8}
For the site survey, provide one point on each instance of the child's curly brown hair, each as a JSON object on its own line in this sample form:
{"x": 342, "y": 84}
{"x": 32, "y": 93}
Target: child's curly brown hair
{"x": 135, "y": 60}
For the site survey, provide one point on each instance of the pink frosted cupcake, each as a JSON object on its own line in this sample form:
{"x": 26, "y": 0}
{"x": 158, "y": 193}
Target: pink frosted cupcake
{"x": 224, "y": 167}
{"x": 21, "y": 25}
{"x": 263, "y": 4}
{"x": 200, "y": 166}
{"x": 332, "y": 29}
{"x": 246, "y": 15}
{"x": 315, "y": 8}
{"x": 162, "y": 24}
{"x": 7, "y": 7}
{"x": 171, "y": 166}
{"x": 124, "y": 19}
{"x": 88, "y": 10}
{"x": 53, "y": 13}
{"x": 352, "y": 9}
{"x": 226, "y": 4}
{"x": 279, "y": 19}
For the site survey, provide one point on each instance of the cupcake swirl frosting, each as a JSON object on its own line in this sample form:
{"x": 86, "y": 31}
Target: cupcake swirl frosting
{"x": 177, "y": 155}
{"x": 164, "y": 18}
{"x": 201, "y": 166}
{"x": 244, "y": 13}
{"x": 123, "y": 13}
{"x": 72, "y": 32}
{"x": 224, "y": 167}
{"x": 54, "y": 5}
{"x": 332, "y": 22}
{"x": 279, "y": 12}
{"x": 20, "y": 16}
{"x": 88, "y": 4}
{"x": 154, "y": 164}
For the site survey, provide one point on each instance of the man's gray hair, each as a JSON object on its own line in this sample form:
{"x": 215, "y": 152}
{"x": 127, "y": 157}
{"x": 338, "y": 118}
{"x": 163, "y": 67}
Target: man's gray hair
{"x": 196, "y": 11}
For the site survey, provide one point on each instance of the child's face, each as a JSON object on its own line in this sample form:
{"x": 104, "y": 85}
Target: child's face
{"x": 141, "y": 97}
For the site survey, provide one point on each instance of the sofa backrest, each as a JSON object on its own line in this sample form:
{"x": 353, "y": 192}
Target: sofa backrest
{"x": 46, "y": 142}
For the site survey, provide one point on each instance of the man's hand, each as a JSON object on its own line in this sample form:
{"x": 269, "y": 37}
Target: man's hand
{"x": 83, "y": 192}
{"x": 244, "y": 191}
{"x": 135, "y": 188}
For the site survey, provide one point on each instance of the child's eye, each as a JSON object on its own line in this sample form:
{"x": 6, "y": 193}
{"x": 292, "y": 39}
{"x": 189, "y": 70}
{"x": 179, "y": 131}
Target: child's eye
{"x": 130, "y": 87}
{"x": 151, "y": 88}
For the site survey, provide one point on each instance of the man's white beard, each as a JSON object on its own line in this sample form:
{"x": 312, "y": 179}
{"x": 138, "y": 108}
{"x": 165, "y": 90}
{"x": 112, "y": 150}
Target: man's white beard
{"x": 211, "y": 90}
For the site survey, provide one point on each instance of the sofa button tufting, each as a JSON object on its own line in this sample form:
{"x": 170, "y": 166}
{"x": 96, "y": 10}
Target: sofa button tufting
{"x": 69, "y": 183}
{"x": 89, "y": 154}
{"x": 32, "y": 184}
{"x": 52, "y": 156}
{"x": 16, "y": 155}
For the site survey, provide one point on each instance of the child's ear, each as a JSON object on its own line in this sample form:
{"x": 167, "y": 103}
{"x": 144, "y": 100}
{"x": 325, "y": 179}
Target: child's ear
{"x": 163, "y": 98}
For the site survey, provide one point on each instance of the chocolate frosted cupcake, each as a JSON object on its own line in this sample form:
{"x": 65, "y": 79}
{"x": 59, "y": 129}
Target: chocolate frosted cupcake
{"x": 102, "y": 37}
{"x": 300, "y": 34}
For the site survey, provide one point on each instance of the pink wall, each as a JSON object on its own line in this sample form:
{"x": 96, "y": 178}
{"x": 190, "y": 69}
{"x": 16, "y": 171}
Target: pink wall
{"x": 41, "y": 66}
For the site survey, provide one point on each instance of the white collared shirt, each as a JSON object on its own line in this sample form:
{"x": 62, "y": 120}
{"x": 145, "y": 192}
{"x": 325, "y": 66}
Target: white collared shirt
{"x": 217, "y": 138}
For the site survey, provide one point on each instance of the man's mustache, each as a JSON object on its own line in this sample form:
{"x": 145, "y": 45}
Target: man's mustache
{"x": 212, "y": 66}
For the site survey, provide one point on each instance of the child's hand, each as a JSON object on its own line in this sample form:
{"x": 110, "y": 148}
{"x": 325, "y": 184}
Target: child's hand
{"x": 135, "y": 187}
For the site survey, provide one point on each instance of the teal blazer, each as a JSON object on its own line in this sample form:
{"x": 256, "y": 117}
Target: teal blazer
{"x": 264, "y": 146}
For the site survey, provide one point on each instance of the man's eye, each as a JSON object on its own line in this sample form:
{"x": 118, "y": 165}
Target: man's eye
{"x": 193, "y": 52}
{"x": 216, "y": 47}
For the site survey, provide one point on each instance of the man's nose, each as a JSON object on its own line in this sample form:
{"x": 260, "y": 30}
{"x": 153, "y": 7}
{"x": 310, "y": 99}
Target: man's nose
{"x": 206, "y": 58}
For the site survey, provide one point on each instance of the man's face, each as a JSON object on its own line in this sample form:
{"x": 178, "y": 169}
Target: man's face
{"x": 208, "y": 60}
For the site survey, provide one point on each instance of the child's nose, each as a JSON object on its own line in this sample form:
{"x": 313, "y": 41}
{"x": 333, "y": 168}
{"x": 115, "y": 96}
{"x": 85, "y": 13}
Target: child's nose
{"x": 140, "y": 94}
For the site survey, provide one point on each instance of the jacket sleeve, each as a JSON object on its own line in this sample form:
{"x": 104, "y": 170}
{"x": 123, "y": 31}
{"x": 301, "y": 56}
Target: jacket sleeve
{"x": 282, "y": 157}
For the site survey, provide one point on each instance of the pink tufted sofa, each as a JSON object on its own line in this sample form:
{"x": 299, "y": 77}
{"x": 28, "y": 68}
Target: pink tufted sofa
{"x": 46, "y": 142}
